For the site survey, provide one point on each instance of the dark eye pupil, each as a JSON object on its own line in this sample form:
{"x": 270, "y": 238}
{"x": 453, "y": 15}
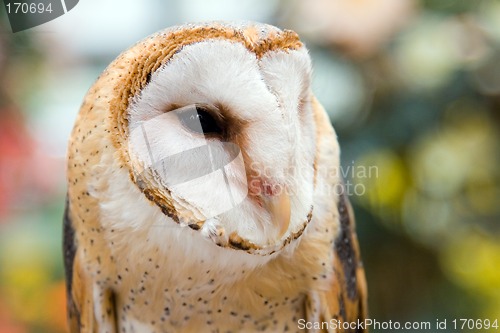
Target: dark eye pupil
{"x": 199, "y": 120}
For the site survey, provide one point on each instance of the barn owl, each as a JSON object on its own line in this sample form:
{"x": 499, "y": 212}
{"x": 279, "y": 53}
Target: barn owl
{"x": 204, "y": 193}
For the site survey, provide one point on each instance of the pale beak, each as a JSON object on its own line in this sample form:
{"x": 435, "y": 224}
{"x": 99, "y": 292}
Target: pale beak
{"x": 278, "y": 207}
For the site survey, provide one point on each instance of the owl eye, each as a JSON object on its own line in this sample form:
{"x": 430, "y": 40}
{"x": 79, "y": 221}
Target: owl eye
{"x": 198, "y": 119}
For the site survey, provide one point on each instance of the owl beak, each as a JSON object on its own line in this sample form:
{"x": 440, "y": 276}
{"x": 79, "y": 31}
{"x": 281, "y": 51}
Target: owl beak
{"x": 278, "y": 207}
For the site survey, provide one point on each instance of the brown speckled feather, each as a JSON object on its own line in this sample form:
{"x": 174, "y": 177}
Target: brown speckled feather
{"x": 347, "y": 299}
{"x": 118, "y": 279}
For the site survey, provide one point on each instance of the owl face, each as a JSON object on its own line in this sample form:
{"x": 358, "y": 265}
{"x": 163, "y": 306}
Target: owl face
{"x": 221, "y": 136}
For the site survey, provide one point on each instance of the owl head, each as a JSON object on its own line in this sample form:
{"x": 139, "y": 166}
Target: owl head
{"x": 215, "y": 125}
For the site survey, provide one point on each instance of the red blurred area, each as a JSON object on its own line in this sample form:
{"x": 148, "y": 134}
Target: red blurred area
{"x": 16, "y": 154}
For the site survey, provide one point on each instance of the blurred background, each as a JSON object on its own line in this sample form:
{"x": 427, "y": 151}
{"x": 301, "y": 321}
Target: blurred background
{"x": 412, "y": 88}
